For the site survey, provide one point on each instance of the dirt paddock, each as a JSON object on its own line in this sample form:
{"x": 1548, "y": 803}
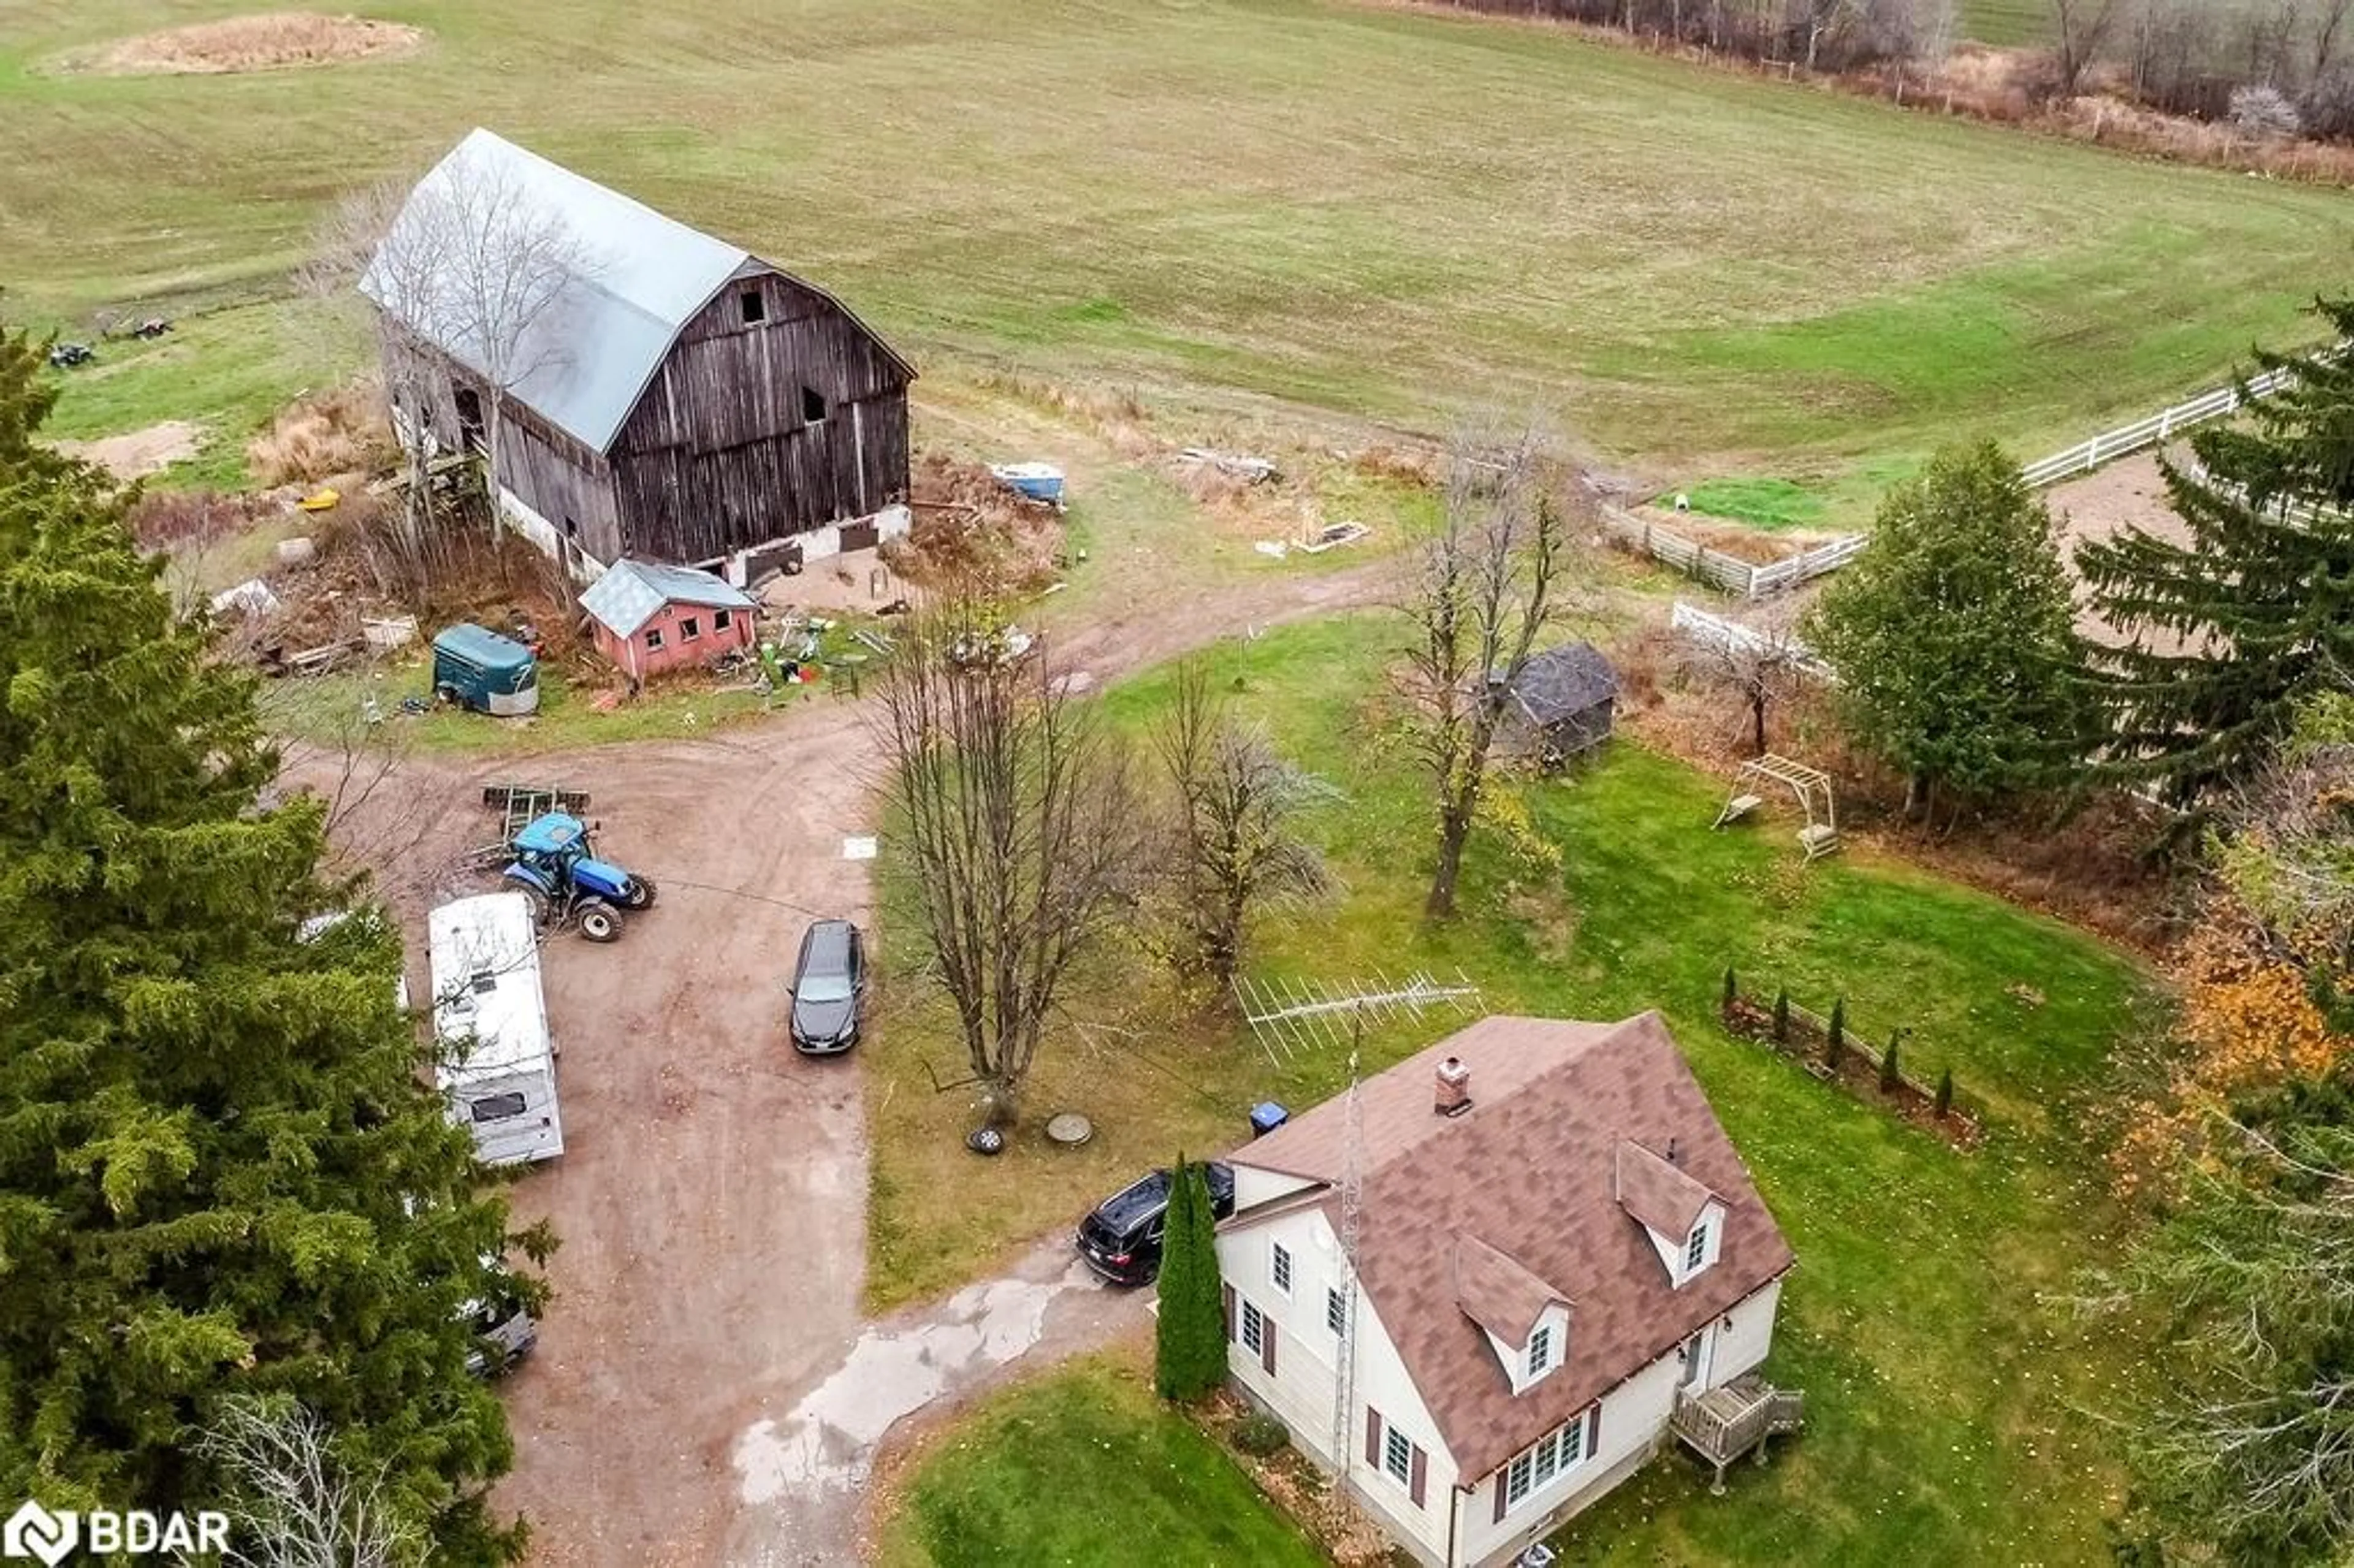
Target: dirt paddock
{"x": 2127, "y": 494}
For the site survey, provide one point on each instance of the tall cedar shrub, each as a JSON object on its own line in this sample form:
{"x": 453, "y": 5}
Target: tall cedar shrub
{"x": 2253, "y": 607}
{"x": 1189, "y": 1335}
{"x": 1891, "y": 1075}
{"x": 1782, "y": 1016}
{"x": 1835, "y": 1037}
{"x": 221, "y": 1173}
{"x": 1945, "y": 1092}
{"x": 1954, "y": 634}
{"x": 1731, "y": 992}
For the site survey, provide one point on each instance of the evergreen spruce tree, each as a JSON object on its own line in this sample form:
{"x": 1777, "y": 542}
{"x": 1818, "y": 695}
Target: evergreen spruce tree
{"x": 1954, "y": 633}
{"x": 1189, "y": 1335}
{"x": 2254, "y": 606}
{"x": 219, "y": 1173}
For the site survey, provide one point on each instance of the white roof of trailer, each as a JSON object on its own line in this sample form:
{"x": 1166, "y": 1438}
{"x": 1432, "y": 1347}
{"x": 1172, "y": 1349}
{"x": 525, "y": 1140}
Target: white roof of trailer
{"x": 485, "y": 953}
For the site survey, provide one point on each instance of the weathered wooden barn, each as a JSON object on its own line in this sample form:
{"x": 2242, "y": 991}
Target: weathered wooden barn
{"x": 669, "y": 397}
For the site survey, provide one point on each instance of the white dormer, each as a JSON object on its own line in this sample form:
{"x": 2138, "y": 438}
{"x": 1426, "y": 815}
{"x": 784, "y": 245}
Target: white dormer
{"x": 1684, "y": 1220}
{"x": 1525, "y": 1319}
{"x": 1544, "y": 1350}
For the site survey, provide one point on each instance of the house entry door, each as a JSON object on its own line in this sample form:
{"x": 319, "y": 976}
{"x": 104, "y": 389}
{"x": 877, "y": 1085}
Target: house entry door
{"x": 1695, "y": 1370}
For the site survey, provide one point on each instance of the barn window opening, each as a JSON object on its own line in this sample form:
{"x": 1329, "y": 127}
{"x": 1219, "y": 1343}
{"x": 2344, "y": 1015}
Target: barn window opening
{"x": 571, "y": 529}
{"x": 653, "y": 636}
{"x": 756, "y": 309}
{"x": 496, "y": 1108}
{"x": 689, "y": 628}
{"x": 721, "y": 620}
{"x": 470, "y": 415}
{"x": 812, "y": 406}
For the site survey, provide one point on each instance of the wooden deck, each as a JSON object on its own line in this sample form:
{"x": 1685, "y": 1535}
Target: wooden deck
{"x": 1724, "y": 1424}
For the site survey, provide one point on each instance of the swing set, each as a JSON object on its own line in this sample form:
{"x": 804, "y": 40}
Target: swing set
{"x": 1812, "y": 786}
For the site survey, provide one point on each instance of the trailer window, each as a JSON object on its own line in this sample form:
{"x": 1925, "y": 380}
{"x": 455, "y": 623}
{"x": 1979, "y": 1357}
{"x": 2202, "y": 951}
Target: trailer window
{"x": 496, "y": 1108}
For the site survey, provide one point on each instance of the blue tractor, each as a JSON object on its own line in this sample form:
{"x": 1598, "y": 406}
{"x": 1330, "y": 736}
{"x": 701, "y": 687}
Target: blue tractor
{"x": 567, "y": 882}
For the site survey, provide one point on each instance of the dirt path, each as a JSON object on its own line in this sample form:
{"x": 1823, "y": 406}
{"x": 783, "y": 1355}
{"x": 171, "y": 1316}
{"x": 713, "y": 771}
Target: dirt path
{"x": 703, "y": 1391}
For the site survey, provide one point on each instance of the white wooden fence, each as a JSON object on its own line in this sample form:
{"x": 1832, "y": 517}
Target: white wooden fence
{"x": 2156, "y": 431}
{"x": 1750, "y": 580}
{"x": 1700, "y": 626}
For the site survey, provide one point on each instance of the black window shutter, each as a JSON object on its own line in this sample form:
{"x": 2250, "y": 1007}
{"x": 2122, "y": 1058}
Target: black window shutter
{"x": 1502, "y": 1504}
{"x": 1267, "y": 1345}
{"x": 1372, "y": 1436}
{"x": 1593, "y": 1428}
{"x": 1420, "y": 1469}
{"x": 1230, "y": 1313}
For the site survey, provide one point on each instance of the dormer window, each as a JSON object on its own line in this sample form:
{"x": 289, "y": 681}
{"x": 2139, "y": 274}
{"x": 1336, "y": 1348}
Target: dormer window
{"x": 1701, "y": 1245}
{"x": 1696, "y": 1250}
{"x": 1541, "y": 1352}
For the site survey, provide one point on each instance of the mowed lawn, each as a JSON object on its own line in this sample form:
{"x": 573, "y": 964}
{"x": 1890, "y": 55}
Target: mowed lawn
{"x": 1365, "y": 207}
{"x": 1085, "y": 1468}
{"x": 1948, "y": 1387}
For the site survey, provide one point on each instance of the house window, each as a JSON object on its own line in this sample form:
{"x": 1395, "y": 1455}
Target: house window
{"x": 653, "y": 636}
{"x": 1254, "y": 1329}
{"x": 1540, "y": 1351}
{"x": 812, "y": 406}
{"x": 721, "y": 620}
{"x": 1519, "y": 1479}
{"x": 1696, "y": 1250}
{"x": 1280, "y": 1269}
{"x": 1397, "y": 1456}
{"x": 1556, "y": 1454}
{"x": 1336, "y": 1311}
{"x": 756, "y": 309}
{"x": 689, "y": 628}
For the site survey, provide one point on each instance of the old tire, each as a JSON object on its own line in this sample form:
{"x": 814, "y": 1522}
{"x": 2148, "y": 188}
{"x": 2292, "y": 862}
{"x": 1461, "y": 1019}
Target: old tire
{"x": 600, "y": 921}
{"x": 641, "y": 894}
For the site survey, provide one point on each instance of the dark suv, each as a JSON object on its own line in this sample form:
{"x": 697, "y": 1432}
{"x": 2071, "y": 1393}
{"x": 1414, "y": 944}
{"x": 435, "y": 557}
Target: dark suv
{"x": 829, "y": 983}
{"x": 1121, "y": 1240}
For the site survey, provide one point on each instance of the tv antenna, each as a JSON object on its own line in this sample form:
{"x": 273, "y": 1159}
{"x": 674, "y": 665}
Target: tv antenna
{"x": 1288, "y": 1017}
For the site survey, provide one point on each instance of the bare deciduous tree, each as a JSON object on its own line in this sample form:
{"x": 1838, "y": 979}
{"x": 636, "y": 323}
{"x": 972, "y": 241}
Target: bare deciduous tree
{"x": 1483, "y": 591}
{"x": 477, "y": 264}
{"x": 1013, "y": 805}
{"x": 2081, "y": 27}
{"x": 290, "y": 1503}
{"x": 1757, "y": 673}
{"x": 1232, "y": 848}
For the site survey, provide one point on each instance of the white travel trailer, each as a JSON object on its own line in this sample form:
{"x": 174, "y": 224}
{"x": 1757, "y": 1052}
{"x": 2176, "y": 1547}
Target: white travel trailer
{"x": 494, "y": 1062}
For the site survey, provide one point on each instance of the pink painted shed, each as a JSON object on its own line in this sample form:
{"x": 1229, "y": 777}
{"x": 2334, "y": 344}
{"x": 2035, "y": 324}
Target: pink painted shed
{"x": 648, "y": 619}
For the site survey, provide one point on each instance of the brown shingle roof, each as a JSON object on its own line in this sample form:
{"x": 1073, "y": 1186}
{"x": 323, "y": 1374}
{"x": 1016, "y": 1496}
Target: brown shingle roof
{"x": 1497, "y": 1293}
{"x": 1531, "y": 1171}
{"x": 1661, "y": 1194}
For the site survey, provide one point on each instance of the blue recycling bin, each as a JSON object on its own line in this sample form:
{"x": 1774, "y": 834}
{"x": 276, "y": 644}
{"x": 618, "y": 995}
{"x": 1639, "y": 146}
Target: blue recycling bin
{"x": 1265, "y": 1116}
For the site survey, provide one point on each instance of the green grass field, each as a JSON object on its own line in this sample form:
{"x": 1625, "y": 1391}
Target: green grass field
{"x": 1084, "y": 1468}
{"x": 1948, "y": 1387}
{"x": 1364, "y": 209}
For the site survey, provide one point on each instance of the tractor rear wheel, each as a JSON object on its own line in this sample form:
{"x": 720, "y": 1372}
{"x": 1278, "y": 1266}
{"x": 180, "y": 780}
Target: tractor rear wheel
{"x": 600, "y": 921}
{"x": 641, "y": 894}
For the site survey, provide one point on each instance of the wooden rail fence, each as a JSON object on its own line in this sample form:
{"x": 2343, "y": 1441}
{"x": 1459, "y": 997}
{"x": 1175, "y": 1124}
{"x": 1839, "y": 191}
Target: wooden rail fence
{"x": 2154, "y": 430}
{"x": 1749, "y": 580}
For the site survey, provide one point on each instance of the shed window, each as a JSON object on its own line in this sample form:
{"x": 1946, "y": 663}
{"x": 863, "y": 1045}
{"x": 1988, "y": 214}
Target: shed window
{"x": 653, "y": 636}
{"x": 756, "y": 309}
{"x": 496, "y": 1108}
{"x": 721, "y": 620}
{"x": 812, "y": 406}
{"x": 689, "y": 628}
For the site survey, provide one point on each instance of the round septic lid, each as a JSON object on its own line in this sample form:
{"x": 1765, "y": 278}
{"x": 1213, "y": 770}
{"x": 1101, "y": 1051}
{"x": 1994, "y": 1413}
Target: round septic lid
{"x": 1071, "y": 1129}
{"x": 985, "y": 1140}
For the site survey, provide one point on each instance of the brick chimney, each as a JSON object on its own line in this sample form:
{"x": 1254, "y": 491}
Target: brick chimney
{"x": 1454, "y": 1087}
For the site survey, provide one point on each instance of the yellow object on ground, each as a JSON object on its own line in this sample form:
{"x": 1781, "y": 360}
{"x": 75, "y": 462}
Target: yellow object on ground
{"x": 320, "y": 501}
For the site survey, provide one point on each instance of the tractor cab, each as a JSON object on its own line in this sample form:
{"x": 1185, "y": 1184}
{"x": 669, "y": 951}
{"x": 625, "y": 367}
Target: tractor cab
{"x": 553, "y": 861}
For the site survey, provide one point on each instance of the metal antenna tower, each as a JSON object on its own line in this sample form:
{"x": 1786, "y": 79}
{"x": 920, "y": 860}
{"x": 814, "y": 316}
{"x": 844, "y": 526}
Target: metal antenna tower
{"x": 1344, "y": 1380}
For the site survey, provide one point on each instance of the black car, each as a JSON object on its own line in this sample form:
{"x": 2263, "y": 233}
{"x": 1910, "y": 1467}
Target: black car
{"x": 1121, "y": 1240}
{"x": 829, "y": 983}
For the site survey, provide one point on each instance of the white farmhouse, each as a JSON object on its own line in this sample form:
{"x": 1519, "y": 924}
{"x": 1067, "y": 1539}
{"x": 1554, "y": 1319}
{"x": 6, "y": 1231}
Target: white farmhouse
{"x": 1560, "y": 1261}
